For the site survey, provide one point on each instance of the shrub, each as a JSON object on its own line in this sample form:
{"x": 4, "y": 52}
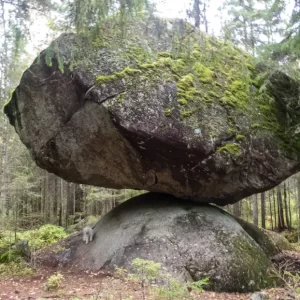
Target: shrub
{"x": 147, "y": 272}
{"x": 15, "y": 268}
{"x": 44, "y": 236}
{"x": 175, "y": 289}
{"x": 10, "y": 255}
{"x": 54, "y": 282}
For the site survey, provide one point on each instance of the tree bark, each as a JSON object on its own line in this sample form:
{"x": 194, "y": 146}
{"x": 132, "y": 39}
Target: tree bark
{"x": 286, "y": 207}
{"x": 298, "y": 207}
{"x": 275, "y": 216}
{"x": 236, "y": 209}
{"x": 271, "y": 214}
{"x": 263, "y": 210}
{"x": 197, "y": 13}
{"x": 255, "y": 210}
{"x": 281, "y": 224}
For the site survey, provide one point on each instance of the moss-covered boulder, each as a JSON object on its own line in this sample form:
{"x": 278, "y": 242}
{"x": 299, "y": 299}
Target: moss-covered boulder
{"x": 271, "y": 242}
{"x": 163, "y": 108}
{"x": 191, "y": 240}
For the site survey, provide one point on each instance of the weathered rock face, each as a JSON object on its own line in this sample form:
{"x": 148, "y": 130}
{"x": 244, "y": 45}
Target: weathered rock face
{"x": 166, "y": 110}
{"x": 191, "y": 240}
{"x": 271, "y": 242}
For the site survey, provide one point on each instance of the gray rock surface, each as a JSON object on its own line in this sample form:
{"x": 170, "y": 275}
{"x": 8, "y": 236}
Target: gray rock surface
{"x": 191, "y": 240}
{"x": 187, "y": 118}
{"x": 271, "y": 242}
{"x": 259, "y": 296}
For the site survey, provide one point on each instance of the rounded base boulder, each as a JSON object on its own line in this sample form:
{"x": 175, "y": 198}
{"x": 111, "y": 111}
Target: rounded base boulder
{"x": 192, "y": 241}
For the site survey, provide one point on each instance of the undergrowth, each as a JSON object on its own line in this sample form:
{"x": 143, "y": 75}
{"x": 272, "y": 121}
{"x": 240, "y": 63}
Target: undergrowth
{"x": 37, "y": 238}
{"x": 155, "y": 280}
{"x": 54, "y": 282}
{"x": 13, "y": 259}
{"x": 15, "y": 268}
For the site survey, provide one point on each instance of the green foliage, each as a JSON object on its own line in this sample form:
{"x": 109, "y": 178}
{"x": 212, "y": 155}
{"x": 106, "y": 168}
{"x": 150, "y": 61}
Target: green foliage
{"x": 15, "y": 268}
{"x": 121, "y": 272}
{"x": 10, "y": 255}
{"x": 96, "y": 13}
{"x": 54, "y": 282}
{"x": 172, "y": 290}
{"x": 44, "y": 236}
{"x": 147, "y": 272}
{"x": 289, "y": 47}
{"x": 292, "y": 283}
{"x": 251, "y": 24}
{"x": 5, "y": 239}
{"x": 175, "y": 289}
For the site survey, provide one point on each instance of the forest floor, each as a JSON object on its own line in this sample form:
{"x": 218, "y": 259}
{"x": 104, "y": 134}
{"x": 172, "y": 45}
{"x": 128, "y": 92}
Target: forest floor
{"x": 86, "y": 285}
{"x": 78, "y": 285}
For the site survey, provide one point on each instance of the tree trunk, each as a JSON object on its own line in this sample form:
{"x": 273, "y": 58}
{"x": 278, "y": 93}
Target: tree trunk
{"x": 263, "y": 210}
{"x": 236, "y": 209}
{"x": 275, "y": 216}
{"x": 298, "y": 207}
{"x": 289, "y": 204}
{"x": 286, "y": 207}
{"x": 61, "y": 192}
{"x": 205, "y": 18}
{"x": 197, "y": 15}
{"x": 281, "y": 224}
{"x": 271, "y": 214}
{"x": 255, "y": 210}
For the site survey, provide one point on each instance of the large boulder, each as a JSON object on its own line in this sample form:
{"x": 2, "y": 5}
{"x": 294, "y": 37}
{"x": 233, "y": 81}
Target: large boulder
{"x": 191, "y": 240}
{"x": 165, "y": 109}
{"x": 271, "y": 242}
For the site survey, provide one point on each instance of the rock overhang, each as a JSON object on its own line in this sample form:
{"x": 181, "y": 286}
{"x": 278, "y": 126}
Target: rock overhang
{"x": 190, "y": 116}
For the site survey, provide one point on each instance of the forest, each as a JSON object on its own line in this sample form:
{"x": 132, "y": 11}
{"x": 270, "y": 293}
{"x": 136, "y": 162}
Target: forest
{"x": 107, "y": 100}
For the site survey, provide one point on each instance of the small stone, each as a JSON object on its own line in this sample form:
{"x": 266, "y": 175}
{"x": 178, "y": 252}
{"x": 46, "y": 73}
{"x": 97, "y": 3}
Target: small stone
{"x": 259, "y": 296}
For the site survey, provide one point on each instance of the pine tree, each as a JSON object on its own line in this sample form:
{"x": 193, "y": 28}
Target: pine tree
{"x": 86, "y": 15}
{"x": 289, "y": 48}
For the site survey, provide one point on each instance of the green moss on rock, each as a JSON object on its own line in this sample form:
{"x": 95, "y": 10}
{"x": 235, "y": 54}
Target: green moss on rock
{"x": 103, "y": 79}
{"x": 168, "y": 112}
{"x": 164, "y": 54}
{"x": 204, "y": 74}
{"x": 212, "y": 76}
{"x": 240, "y": 137}
{"x": 186, "y": 89}
{"x": 8, "y": 101}
{"x": 120, "y": 98}
{"x": 233, "y": 149}
{"x": 245, "y": 253}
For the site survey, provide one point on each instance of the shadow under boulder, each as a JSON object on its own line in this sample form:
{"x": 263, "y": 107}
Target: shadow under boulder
{"x": 191, "y": 240}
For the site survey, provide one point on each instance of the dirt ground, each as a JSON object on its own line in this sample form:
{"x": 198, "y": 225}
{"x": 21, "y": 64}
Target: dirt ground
{"x": 86, "y": 285}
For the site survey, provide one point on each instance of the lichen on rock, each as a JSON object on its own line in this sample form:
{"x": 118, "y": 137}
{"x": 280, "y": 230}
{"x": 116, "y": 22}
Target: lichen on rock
{"x": 166, "y": 109}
